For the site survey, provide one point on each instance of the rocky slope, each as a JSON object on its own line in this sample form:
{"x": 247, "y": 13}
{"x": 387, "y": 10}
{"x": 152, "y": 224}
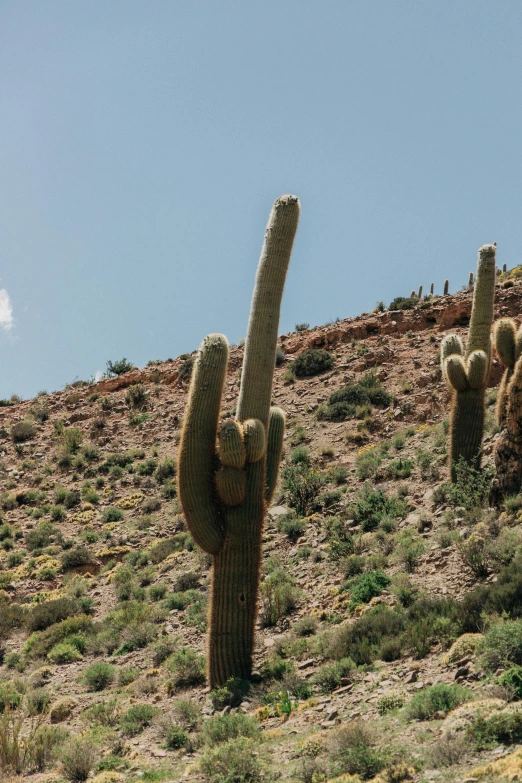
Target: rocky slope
{"x": 90, "y": 515}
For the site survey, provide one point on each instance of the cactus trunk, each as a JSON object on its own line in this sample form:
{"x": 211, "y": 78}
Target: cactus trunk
{"x": 224, "y": 492}
{"x": 466, "y": 427}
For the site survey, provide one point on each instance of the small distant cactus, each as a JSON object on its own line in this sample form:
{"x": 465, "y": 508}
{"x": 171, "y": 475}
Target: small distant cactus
{"x": 508, "y": 452}
{"x": 419, "y": 294}
{"x": 432, "y": 289}
{"x": 470, "y": 280}
{"x": 413, "y": 294}
{"x": 446, "y": 287}
{"x": 467, "y": 371}
{"x": 225, "y": 488}
{"x": 504, "y": 268}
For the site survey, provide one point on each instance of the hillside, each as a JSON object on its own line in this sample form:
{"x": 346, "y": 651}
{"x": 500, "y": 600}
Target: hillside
{"x": 103, "y": 594}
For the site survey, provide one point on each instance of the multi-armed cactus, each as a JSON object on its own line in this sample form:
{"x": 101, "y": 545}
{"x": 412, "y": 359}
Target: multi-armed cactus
{"x": 467, "y": 371}
{"x": 508, "y": 452}
{"x": 228, "y": 473}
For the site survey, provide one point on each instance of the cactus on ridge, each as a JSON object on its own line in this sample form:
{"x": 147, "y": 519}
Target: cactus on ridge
{"x": 226, "y": 488}
{"x": 508, "y": 450}
{"x": 470, "y": 281}
{"x": 446, "y": 287}
{"x": 508, "y": 345}
{"x": 432, "y": 288}
{"x": 467, "y": 370}
{"x": 419, "y": 293}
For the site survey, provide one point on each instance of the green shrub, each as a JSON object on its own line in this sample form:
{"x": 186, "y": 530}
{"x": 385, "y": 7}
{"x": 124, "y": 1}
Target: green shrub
{"x": 185, "y": 368}
{"x": 301, "y": 485}
{"x": 186, "y": 668}
{"x": 399, "y": 469}
{"x": 404, "y": 303}
{"x": 235, "y": 761}
{"x": 39, "y": 644}
{"x": 157, "y": 591}
{"x": 291, "y": 525}
{"x": 64, "y": 652}
{"x": 165, "y": 470}
{"x": 77, "y": 556}
{"x": 311, "y": 361}
{"x": 10, "y": 698}
{"x": 98, "y": 676}
{"x": 41, "y": 536}
{"x": 366, "y": 586}
{"x": 344, "y": 403}
{"x": 436, "y": 698}
{"x": 137, "y": 718}
{"x": 300, "y": 455}
{"x": 71, "y": 439}
{"x": 222, "y": 728}
{"x": 119, "y": 367}
{"x": 136, "y": 395}
{"x": 111, "y": 514}
{"x": 46, "y": 614}
{"x": 353, "y": 751}
{"x": 367, "y": 464}
{"x": 23, "y": 430}
{"x": 341, "y": 542}
{"x": 78, "y": 759}
{"x": 278, "y": 597}
{"x": 306, "y": 626}
{"x": 147, "y": 467}
{"x": 330, "y": 675}
{"x": 501, "y": 645}
{"x": 371, "y": 505}
{"x": 512, "y": 680}
{"x": 502, "y": 728}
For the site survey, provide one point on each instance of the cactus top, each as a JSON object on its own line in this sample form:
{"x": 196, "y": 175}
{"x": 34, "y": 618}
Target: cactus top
{"x": 483, "y": 302}
{"x": 260, "y": 347}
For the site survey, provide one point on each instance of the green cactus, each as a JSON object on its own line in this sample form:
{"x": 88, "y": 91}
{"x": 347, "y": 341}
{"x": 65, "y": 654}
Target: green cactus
{"x": 508, "y": 345}
{"x": 467, "y": 371}
{"x": 419, "y": 293}
{"x": 228, "y": 473}
{"x": 446, "y": 287}
{"x": 508, "y": 451}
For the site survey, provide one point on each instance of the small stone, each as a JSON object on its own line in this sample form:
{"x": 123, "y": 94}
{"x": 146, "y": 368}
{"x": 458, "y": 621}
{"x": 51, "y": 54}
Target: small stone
{"x": 332, "y": 715}
{"x": 410, "y": 677}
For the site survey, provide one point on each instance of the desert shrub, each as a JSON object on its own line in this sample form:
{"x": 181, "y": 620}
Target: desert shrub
{"x": 399, "y": 469}
{"x": 404, "y": 303}
{"x": 77, "y": 556}
{"x": 408, "y": 549}
{"x": 278, "y": 597}
{"x": 10, "y": 698}
{"x": 188, "y": 580}
{"x": 291, "y": 525}
{"x": 389, "y": 702}
{"x": 137, "y": 718}
{"x": 186, "y": 667}
{"x": 300, "y": 455}
{"x": 103, "y": 713}
{"x": 353, "y": 751}
{"x": 437, "y": 698}
{"x": 330, "y": 675}
{"x": 57, "y": 513}
{"x": 500, "y": 728}
{"x": 137, "y": 635}
{"x": 163, "y": 649}
{"x": 185, "y": 368}
{"x": 235, "y": 761}
{"x": 39, "y": 644}
{"x": 306, "y": 626}
{"x": 41, "y": 536}
{"x": 64, "y": 652}
{"x": 147, "y": 467}
{"x": 447, "y": 752}
{"x": 470, "y": 490}
{"x": 344, "y": 403}
{"x": 341, "y": 542}
{"x": 78, "y": 758}
{"x": 311, "y": 361}
{"x": 301, "y": 485}
{"x": 50, "y": 612}
{"x": 157, "y": 591}
{"x": 501, "y": 645}
{"x": 371, "y": 505}
{"x": 222, "y": 728}
{"x": 512, "y": 681}
{"x": 98, "y": 676}
{"x": 367, "y": 463}
{"x": 111, "y": 514}
{"x": 119, "y": 367}
{"x": 165, "y": 470}
{"x": 38, "y": 701}
{"x": 23, "y": 430}
{"x": 136, "y": 395}
{"x": 366, "y": 586}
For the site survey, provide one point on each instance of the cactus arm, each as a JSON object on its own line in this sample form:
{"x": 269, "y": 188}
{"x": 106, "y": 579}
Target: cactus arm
{"x": 197, "y": 458}
{"x": 508, "y": 452}
{"x": 455, "y": 373}
{"x": 276, "y": 434}
{"x": 483, "y": 302}
{"x": 261, "y": 343}
{"x": 450, "y": 345}
{"x": 466, "y": 428}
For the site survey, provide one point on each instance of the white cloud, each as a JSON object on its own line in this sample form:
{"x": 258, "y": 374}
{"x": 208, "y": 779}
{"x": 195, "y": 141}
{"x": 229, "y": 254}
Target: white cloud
{"x": 98, "y": 375}
{"x": 6, "y": 311}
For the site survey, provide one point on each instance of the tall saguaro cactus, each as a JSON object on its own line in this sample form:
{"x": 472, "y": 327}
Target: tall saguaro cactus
{"x": 508, "y": 451}
{"x": 228, "y": 473}
{"x": 466, "y": 371}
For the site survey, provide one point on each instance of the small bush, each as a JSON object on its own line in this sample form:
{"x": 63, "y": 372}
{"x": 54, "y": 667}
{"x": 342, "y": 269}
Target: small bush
{"x": 235, "y": 761}
{"x": 46, "y": 614}
{"x": 372, "y": 505}
{"x": 436, "y": 698}
{"x": 119, "y": 367}
{"x": 330, "y": 675}
{"x": 500, "y": 728}
{"x": 111, "y": 514}
{"x": 78, "y": 759}
{"x": 186, "y": 668}
{"x": 222, "y": 728}
{"x": 344, "y": 403}
{"x": 501, "y": 645}
{"x": 23, "y": 430}
{"x": 136, "y": 395}
{"x": 77, "y": 556}
{"x": 301, "y": 485}
{"x": 306, "y": 626}
{"x": 291, "y": 526}
{"x": 278, "y": 597}
{"x": 64, "y": 652}
{"x": 137, "y": 718}
{"x": 353, "y": 751}
{"x": 366, "y": 586}
{"x": 98, "y": 676}
{"x": 404, "y": 303}
{"x": 312, "y": 361}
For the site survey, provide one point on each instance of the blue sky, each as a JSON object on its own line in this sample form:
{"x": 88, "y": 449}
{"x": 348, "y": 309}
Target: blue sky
{"x": 143, "y": 144}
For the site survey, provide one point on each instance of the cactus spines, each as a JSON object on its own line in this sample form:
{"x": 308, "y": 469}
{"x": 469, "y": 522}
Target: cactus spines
{"x": 419, "y": 293}
{"x": 466, "y": 370}
{"x": 228, "y": 473}
{"x": 508, "y": 345}
{"x": 446, "y": 287}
